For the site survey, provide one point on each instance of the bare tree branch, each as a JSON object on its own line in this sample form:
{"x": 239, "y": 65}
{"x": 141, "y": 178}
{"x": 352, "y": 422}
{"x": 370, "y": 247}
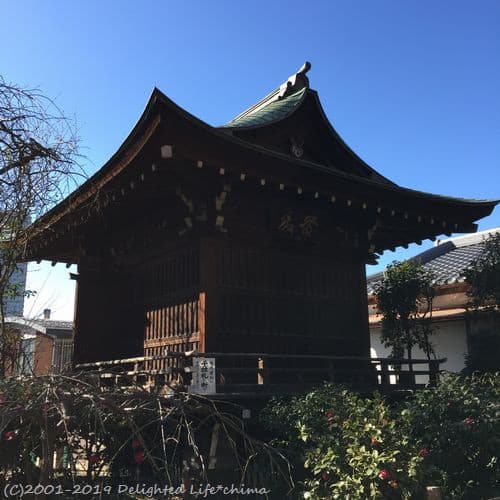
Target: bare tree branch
{"x": 39, "y": 163}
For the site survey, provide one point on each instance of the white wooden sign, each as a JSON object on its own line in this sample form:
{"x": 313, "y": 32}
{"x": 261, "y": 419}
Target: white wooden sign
{"x": 203, "y": 379}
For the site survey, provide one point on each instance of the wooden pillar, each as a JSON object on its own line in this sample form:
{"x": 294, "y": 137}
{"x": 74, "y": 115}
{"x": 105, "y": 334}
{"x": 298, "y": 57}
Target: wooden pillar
{"x": 433, "y": 372}
{"x": 385, "y": 380}
{"x": 209, "y": 296}
{"x": 86, "y": 294}
{"x": 262, "y": 371}
{"x": 201, "y": 320}
{"x": 75, "y": 317}
{"x": 363, "y": 324}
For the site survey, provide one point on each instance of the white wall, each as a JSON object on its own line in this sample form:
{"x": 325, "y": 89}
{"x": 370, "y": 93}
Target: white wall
{"x": 450, "y": 341}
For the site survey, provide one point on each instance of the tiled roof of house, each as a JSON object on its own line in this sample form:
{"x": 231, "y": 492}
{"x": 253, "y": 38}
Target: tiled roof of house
{"x": 447, "y": 259}
{"x": 54, "y": 324}
{"x": 47, "y": 326}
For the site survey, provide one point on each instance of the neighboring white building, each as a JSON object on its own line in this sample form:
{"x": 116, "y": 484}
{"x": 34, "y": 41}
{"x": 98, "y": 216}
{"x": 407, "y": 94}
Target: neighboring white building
{"x": 45, "y": 345}
{"x": 447, "y": 259}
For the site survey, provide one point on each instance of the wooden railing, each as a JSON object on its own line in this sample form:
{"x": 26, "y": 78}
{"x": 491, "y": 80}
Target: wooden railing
{"x": 250, "y": 373}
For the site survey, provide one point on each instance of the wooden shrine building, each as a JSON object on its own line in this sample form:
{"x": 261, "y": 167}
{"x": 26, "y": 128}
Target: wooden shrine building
{"x": 249, "y": 237}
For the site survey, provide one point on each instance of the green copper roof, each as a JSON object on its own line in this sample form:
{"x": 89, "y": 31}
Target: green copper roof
{"x": 270, "y": 112}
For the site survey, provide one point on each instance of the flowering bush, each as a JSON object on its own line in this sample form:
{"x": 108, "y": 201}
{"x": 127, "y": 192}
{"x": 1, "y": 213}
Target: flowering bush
{"x": 358, "y": 448}
{"x": 352, "y": 447}
{"x": 459, "y": 424}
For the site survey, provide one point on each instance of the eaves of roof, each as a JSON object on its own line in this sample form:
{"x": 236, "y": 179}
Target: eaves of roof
{"x": 150, "y": 119}
{"x": 441, "y": 315}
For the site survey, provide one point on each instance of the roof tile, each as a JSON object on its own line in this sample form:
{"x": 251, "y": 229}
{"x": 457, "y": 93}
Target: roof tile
{"x": 447, "y": 260}
{"x": 275, "y": 110}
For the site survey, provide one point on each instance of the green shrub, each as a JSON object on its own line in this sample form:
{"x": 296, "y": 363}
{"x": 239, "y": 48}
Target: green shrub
{"x": 459, "y": 424}
{"x": 347, "y": 446}
{"x": 484, "y": 341}
{"x": 404, "y": 298}
{"x": 351, "y": 447}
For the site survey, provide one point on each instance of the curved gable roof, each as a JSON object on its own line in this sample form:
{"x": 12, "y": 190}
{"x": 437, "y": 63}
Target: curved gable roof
{"x": 188, "y": 128}
{"x": 297, "y": 109}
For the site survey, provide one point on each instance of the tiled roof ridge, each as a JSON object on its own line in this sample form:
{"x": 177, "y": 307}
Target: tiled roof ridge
{"x": 466, "y": 240}
{"x": 295, "y": 83}
{"x": 54, "y": 324}
{"x": 273, "y": 111}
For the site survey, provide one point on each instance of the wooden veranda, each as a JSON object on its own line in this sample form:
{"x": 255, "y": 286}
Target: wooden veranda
{"x": 237, "y": 375}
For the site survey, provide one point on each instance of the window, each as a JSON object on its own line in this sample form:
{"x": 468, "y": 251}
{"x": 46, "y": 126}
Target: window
{"x": 26, "y": 359}
{"x": 63, "y": 353}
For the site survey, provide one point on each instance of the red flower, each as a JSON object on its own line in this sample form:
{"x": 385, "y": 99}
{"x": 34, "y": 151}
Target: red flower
{"x": 423, "y": 452}
{"x": 10, "y": 435}
{"x": 374, "y": 441}
{"x": 94, "y": 459}
{"x": 325, "y": 476}
{"x": 468, "y": 421}
{"x": 139, "y": 456}
{"x": 384, "y": 474}
{"x": 136, "y": 443}
{"x": 329, "y": 415}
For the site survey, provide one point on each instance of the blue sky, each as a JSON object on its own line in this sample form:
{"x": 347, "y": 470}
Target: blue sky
{"x": 412, "y": 87}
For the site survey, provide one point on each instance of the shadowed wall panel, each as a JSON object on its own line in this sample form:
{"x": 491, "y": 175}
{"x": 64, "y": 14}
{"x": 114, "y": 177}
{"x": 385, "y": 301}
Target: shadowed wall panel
{"x": 171, "y": 304}
{"x": 278, "y": 302}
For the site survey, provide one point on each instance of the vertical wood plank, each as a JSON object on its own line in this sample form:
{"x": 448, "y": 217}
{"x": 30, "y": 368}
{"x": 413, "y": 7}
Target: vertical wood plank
{"x": 196, "y": 315}
{"x": 201, "y": 322}
{"x": 162, "y": 322}
{"x": 167, "y": 321}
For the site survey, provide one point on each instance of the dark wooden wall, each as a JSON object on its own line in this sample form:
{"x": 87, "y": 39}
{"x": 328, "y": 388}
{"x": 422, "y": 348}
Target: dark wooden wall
{"x": 107, "y": 321}
{"x": 279, "y": 302}
{"x": 221, "y": 296}
{"x": 258, "y": 282}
